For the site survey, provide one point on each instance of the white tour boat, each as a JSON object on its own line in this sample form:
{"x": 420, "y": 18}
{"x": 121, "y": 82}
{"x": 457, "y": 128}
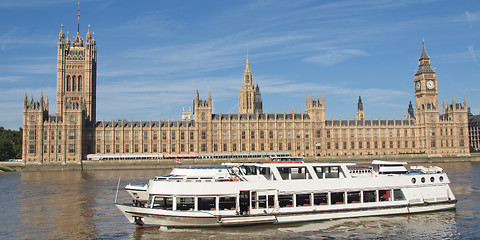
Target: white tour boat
{"x": 287, "y": 192}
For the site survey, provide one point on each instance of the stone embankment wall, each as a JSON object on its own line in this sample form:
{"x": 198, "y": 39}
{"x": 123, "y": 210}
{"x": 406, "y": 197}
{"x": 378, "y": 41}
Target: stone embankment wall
{"x": 171, "y": 163}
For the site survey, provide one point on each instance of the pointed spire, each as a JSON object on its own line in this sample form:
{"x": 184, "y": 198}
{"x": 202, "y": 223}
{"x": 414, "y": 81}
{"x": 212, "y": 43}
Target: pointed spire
{"x": 360, "y": 104}
{"x": 89, "y": 34}
{"x": 248, "y": 62}
{"x": 61, "y": 35}
{"x": 424, "y": 52}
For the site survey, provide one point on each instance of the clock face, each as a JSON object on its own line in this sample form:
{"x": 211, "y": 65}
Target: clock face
{"x": 430, "y": 84}
{"x": 417, "y": 85}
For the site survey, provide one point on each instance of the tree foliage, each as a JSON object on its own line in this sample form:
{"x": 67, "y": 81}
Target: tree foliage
{"x": 10, "y": 144}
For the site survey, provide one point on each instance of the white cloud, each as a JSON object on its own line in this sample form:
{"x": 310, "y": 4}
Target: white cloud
{"x": 333, "y": 57}
{"x": 473, "y": 53}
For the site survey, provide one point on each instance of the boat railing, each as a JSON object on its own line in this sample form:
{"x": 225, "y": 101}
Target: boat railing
{"x": 197, "y": 179}
{"x": 359, "y": 170}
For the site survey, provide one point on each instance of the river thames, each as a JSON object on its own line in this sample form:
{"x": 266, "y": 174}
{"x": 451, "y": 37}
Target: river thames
{"x": 79, "y": 205}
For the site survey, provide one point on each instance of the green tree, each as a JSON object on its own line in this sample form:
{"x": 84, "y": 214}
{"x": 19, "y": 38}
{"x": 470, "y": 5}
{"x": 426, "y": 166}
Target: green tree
{"x": 10, "y": 143}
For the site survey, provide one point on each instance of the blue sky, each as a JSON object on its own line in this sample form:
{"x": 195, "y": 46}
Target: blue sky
{"x": 154, "y": 55}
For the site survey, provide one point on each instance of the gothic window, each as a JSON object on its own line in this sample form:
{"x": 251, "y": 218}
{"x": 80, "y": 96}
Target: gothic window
{"x": 203, "y": 116}
{"x": 127, "y": 148}
{"x": 173, "y": 136}
{"x": 74, "y": 79}
{"x": 69, "y": 84}
{"x": 145, "y": 136}
{"x": 145, "y": 148}
{"x": 80, "y": 83}
{"x": 155, "y": 148}
{"x": 117, "y": 148}
{"x": 52, "y": 136}
{"x": 107, "y": 149}
{"x": 71, "y": 134}
{"x": 59, "y": 149}
{"x": 155, "y": 135}
{"x": 71, "y": 148}
{"x": 32, "y": 119}
{"x": 31, "y": 148}
{"x": 117, "y": 136}
{"x": 182, "y": 135}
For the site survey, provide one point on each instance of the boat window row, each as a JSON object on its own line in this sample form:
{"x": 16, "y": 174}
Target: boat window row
{"x": 296, "y": 172}
{"x": 269, "y": 199}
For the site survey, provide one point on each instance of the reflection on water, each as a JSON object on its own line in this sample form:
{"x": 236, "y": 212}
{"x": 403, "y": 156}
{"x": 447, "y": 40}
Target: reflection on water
{"x": 79, "y": 205}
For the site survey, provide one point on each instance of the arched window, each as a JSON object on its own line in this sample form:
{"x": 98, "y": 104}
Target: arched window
{"x": 74, "y": 79}
{"x": 69, "y": 84}
{"x": 203, "y": 116}
{"x": 80, "y": 86}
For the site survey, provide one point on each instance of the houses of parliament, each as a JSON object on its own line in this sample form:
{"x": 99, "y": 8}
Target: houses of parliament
{"x": 73, "y": 131}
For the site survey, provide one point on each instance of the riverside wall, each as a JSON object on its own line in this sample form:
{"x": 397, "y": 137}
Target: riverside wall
{"x": 171, "y": 163}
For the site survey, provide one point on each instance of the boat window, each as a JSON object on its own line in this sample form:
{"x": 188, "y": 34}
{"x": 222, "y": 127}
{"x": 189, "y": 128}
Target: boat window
{"x": 338, "y": 197}
{"x": 285, "y": 200}
{"x": 250, "y": 170}
{"x": 398, "y": 195}
{"x": 261, "y": 202}
{"x": 266, "y": 173}
{"x": 303, "y": 200}
{"x": 320, "y": 198}
{"x": 185, "y": 203}
{"x": 319, "y": 172}
{"x": 284, "y": 173}
{"x": 369, "y": 196}
{"x": 294, "y": 173}
{"x": 206, "y": 203}
{"x": 227, "y": 203}
{"x": 385, "y": 195}
{"x": 161, "y": 202}
{"x": 271, "y": 201}
{"x": 331, "y": 172}
{"x": 353, "y": 197}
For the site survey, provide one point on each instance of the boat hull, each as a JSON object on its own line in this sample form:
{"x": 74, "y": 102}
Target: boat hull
{"x": 145, "y": 217}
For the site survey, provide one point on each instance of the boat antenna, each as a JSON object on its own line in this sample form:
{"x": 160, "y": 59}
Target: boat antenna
{"x": 116, "y": 194}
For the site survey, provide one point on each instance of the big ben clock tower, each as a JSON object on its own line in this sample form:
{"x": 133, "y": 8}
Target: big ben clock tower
{"x": 426, "y": 100}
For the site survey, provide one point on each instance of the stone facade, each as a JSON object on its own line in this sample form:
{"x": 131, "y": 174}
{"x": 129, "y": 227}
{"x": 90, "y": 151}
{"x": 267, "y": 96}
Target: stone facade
{"x": 74, "y": 132}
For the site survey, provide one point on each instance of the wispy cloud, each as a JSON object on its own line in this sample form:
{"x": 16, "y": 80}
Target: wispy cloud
{"x": 333, "y": 57}
{"x": 469, "y": 16}
{"x": 473, "y": 53}
{"x": 15, "y": 38}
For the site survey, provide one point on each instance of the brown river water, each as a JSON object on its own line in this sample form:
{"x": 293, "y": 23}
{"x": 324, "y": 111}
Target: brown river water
{"x": 79, "y": 205}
